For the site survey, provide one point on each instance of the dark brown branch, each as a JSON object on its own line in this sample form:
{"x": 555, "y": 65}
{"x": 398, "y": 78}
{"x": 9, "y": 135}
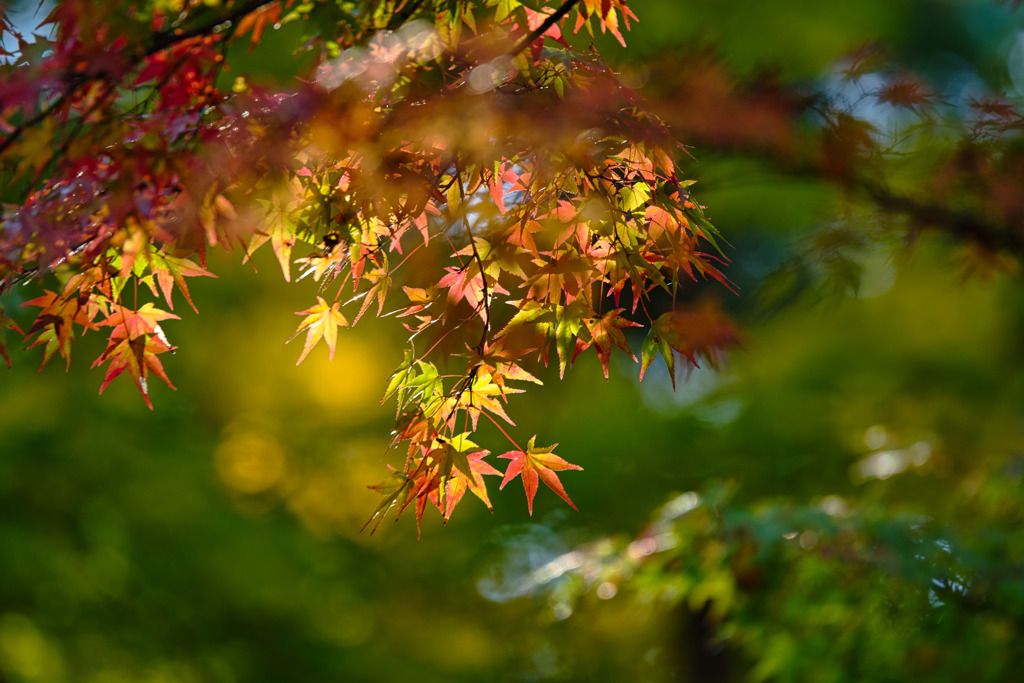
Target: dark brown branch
{"x": 966, "y": 224}
{"x": 400, "y": 17}
{"x": 963, "y": 224}
{"x": 539, "y": 31}
{"x": 165, "y": 39}
{"x": 38, "y": 118}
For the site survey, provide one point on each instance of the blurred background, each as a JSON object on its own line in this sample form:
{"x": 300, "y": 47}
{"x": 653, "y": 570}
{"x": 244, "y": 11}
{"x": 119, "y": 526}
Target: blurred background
{"x": 840, "y": 500}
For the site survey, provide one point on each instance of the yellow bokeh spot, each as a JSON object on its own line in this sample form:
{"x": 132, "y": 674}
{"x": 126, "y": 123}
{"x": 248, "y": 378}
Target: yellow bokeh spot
{"x": 250, "y": 462}
{"x": 333, "y": 497}
{"x": 352, "y": 382}
{"x": 26, "y": 652}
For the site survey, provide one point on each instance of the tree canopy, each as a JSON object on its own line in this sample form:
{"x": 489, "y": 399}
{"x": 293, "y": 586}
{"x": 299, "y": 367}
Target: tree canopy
{"x": 818, "y": 478}
{"x": 483, "y": 147}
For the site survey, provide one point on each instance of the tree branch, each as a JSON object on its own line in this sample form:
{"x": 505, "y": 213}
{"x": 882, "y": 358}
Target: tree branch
{"x": 807, "y": 157}
{"x": 539, "y": 31}
{"x": 403, "y": 15}
{"x": 165, "y": 39}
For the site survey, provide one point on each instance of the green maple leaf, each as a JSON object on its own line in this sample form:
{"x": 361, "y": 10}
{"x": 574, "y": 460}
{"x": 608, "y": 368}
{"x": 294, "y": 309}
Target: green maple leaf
{"x": 535, "y": 465}
{"x": 568, "y": 322}
{"x": 658, "y": 340}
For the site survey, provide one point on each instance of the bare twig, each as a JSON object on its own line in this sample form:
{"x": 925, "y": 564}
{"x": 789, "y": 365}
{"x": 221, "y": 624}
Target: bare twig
{"x": 540, "y": 30}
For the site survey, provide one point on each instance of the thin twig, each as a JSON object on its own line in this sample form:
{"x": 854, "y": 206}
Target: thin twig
{"x": 540, "y": 30}
{"x": 399, "y": 18}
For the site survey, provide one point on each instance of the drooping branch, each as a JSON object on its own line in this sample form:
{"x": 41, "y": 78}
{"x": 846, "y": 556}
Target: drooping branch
{"x": 970, "y": 226}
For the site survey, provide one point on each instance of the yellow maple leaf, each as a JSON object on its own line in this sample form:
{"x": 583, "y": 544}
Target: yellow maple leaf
{"x": 321, "y": 321}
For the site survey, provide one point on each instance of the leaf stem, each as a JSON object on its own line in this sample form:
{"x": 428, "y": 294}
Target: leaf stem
{"x": 502, "y": 430}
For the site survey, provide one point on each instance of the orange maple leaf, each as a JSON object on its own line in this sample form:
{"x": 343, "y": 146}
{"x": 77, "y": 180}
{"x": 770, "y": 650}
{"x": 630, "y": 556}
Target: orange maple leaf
{"x": 535, "y": 465}
{"x": 133, "y": 345}
{"x": 466, "y": 475}
{"x": 606, "y": 331}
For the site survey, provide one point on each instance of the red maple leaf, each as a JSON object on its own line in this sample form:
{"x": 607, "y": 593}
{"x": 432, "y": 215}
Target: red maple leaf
{"x": 54, "y": 324}
{"x": 133, "y": 345}
{"x": 906, "y": 93}
{"x": 537, "y": 464}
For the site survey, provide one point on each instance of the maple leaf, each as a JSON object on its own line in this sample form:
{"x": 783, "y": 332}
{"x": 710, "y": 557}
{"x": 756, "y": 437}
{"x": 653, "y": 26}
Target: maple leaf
{"x": 658, "y": 341}
{"x": 137, "y": 323}
{"x": 701, "y": 330}
{"x": 606, "y": 331}
{"x": 470, "y": 479}
{"x": 500, "y": 362}
{"x": 568, "y": 322}
{"x": 420, "y": 300}
{"x": 521, "y": 234}
{"x": 133, "y": 345}
{"x": 54, "y": 324}
{"x": 468, "y": 282}
{"x": 138, "y": 355}
{"x": 392, "y": 489}
{"x": 905, "y": 92}
{"x": 171, "y": 270}
{"x": 565, "y": 273}
{"x": 537, "y": 464}
{"x": 258, "y": 20}
{"x": 424, "y": 479}
{"x": 321, "y": 321}
{"x": 380, "y": 282}
{"x": 281, "y": 234}
{"x": 460, "y": 468}
{"x": 6, "y": 324}
{"x": 482, "y": 394}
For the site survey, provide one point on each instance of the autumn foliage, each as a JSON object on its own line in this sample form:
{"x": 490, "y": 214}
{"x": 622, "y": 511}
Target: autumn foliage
{"x": 472, "y": 168}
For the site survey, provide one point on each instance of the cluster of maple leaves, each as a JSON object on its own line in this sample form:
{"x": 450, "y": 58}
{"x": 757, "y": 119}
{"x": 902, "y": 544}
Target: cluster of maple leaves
{"x": 471, "y": 166}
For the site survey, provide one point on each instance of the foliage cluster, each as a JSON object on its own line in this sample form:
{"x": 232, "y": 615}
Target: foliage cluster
{"x": 485, "y": 141}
